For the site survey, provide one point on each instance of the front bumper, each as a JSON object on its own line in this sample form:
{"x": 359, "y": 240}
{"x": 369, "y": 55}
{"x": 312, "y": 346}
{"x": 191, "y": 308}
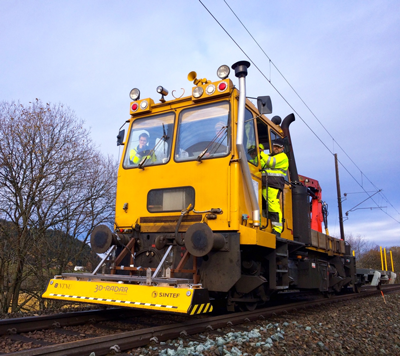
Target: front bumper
{"x": 184, "y": 300}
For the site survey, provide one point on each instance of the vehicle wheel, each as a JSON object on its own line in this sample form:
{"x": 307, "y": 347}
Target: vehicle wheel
{"x": 327, "y": 294}
{"x": 247, "y": 306}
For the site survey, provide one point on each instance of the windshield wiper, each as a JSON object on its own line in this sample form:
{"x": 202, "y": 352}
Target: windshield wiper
{"x": 216, "y": 141}
{"x": 200, "y": 156}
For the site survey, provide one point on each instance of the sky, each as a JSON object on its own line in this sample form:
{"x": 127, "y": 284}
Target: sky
{"x": 341, "y": 57}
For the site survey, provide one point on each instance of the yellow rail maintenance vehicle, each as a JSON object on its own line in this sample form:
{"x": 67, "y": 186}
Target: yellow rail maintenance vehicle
{"x": 191, "y": 224}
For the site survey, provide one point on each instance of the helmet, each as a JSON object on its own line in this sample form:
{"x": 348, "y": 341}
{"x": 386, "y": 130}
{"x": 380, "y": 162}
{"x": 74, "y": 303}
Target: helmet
{"x": 261, "y": 147}
{"x": 278, "y": 142}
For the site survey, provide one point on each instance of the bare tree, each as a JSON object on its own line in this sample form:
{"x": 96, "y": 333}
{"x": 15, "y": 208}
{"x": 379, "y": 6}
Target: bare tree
{"x": 51, "y": 180}
{"x": 368, "y": 255}
{"x": 359, "y": 244}
{"x": 371, "y": 259}
{"x": 85, "y": 206}
{"x": 394, "y": 258}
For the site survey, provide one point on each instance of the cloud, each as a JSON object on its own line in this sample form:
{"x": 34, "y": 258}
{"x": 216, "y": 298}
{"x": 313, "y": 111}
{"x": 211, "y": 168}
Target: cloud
{"x": 381, "y": 232}
{"x": 342, "y": 58}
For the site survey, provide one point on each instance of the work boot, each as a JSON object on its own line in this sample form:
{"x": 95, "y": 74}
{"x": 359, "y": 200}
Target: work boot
{"x": 276, "y": 233}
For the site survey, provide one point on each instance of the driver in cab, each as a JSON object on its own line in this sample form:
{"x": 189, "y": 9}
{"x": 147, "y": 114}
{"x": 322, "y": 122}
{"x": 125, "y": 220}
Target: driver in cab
{"x": 137, "y": 154}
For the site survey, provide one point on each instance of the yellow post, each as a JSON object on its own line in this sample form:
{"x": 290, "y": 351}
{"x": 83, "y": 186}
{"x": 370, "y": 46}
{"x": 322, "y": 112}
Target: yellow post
{"x": 381, "y": 258}
{"x": 385, "y": 259}
{"x": 391, "y": 257}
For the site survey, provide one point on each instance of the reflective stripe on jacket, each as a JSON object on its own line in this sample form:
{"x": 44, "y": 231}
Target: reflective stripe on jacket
{"x": 136, "y": 156}
{"x": 275, "y": 166}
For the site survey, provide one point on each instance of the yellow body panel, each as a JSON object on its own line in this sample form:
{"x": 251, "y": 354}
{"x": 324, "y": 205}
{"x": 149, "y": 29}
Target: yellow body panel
{"x": 227, "y": 191}
{"x": 174, "y": 174}
{"x": 288, "y": 226}
{"x": 249, "y": 236}
{"x": 178, "y": 300}
{"x": 134, "y": 184}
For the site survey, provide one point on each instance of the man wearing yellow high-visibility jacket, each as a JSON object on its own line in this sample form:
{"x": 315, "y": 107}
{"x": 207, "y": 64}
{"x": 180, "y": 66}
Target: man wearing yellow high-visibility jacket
{"x": 275, "y": 166}
{"x": 138, "y": 153}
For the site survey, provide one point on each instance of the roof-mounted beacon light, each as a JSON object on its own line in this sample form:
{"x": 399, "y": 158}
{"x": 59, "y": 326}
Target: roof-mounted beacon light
{"x": 164, "y": 92}
{"x": 276, "y": 120}
{"x": 134, "y": 94}
{"x": 223, "y": 72}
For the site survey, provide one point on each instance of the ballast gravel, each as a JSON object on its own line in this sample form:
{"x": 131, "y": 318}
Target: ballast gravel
{"x": 366, "y": 326}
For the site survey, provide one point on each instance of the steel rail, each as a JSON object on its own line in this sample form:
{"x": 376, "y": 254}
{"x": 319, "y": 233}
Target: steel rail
{"x": 32, "y": 323}
{"x": 132, "y": 339}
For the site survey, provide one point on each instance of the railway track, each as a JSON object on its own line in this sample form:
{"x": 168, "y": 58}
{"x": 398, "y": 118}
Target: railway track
{"x": 29, "y": 324}
{"x": 148, "y": 326}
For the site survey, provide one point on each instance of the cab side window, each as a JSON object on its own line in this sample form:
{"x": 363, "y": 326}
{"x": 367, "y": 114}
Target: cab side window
{"x": 249, "y": 139}
{"x": 273, "y": 136}
{"x": 263, "y": 136}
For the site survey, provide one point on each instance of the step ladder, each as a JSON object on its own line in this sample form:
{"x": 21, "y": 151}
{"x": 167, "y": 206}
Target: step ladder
{"x": 279, "y": 266}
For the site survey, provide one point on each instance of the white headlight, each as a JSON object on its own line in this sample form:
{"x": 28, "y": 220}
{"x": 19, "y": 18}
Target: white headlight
{"x": 197, "y": 92}
{"x": 223, "y": 71}
{"x": 144, "y": 104}
{"x": 134, "y": 94}
{"x": 210, "y": 89}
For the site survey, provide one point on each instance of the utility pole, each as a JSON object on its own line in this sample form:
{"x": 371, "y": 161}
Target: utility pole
{"x": 339, "y": 198}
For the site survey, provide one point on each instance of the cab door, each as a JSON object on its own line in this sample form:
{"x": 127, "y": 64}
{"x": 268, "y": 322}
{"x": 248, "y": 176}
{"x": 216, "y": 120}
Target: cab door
{"x": 253, "y": 155}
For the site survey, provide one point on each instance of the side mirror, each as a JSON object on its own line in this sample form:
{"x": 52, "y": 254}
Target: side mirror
{"x": 120, "y": 138}
{"x": 264, "y": 105}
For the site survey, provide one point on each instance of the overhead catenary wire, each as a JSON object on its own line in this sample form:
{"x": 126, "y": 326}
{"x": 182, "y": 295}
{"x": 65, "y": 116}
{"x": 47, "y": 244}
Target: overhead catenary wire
{"x": 370, "y": 191}
{"x": 309, "y": 109}
{"x": 295, "y": 111}
{"x": 315, "y": 116}
{"x": 269, "y": 81}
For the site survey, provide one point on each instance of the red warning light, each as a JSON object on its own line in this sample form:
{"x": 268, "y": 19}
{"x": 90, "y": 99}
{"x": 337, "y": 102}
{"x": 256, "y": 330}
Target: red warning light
{"x": 222, "y": 86}
{"x": 135, "y": 106}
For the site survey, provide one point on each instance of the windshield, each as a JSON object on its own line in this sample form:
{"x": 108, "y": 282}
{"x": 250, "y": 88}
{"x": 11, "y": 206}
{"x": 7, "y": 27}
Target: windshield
{"x": 203, "y": 132}
{"x": 150, "y": 141}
